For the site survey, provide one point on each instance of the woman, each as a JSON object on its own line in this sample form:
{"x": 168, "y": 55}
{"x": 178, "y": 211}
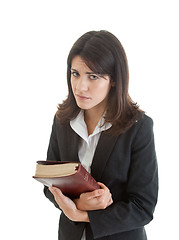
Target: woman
{"x": 100, "y": 126}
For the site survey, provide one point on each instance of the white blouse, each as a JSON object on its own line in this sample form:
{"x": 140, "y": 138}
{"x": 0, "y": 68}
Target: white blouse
{"x": 88, "y": 143}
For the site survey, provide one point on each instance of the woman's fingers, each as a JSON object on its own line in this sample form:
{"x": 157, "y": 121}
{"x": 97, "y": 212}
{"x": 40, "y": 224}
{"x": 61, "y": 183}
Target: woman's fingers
{"x": 110, "y": 202}
{"x": 93, "y": 194}
{"x": 106, "y": 199}
{"x": 97, "y": 199}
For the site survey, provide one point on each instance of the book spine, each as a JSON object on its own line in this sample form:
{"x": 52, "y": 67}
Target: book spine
{"x": 88, "y": 178}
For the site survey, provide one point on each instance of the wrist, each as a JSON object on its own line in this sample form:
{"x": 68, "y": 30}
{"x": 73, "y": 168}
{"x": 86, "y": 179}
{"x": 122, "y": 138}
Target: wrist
{"x": 79, "y": 205}
{"x": 81, "y": 216}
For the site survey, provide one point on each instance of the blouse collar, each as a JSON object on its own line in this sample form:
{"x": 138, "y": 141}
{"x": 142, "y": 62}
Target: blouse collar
{"x": 79, "y": 126}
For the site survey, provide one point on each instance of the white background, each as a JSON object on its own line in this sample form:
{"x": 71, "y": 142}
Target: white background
{"x": 35, "y": 38}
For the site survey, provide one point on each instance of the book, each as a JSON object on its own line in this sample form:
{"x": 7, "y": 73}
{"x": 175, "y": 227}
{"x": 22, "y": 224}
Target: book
{"x": 70, "y": 177}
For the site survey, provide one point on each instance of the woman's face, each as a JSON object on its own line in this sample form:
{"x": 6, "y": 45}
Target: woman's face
{"x": 90, "y": 90}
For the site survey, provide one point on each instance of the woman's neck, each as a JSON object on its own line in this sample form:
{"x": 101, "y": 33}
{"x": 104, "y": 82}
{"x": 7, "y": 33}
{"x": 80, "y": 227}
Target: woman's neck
{"x": 91, "y": 119}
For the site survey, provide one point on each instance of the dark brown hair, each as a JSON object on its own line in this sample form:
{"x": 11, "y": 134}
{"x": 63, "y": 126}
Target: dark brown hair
{"x": 103, "y": 53}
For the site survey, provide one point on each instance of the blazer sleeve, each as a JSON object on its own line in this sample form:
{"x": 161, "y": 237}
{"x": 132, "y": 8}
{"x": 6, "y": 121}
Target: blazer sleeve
{"x": 142, "y": 190}
{"x": 52, "y": 154}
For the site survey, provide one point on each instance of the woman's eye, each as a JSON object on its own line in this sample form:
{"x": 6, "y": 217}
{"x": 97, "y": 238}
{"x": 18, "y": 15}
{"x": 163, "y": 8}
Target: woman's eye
{"x": 75, "y": 74}
{"x": 93, "y": 77}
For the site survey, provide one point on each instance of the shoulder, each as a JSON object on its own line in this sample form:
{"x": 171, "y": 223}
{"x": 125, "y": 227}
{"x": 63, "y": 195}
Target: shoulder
{"x": 144, "y": 120}
{"x": 63, "y": 130}
{"x": 144, "y": 124}
{"x": 141, "y": 129}
{"x": 60, "y": 127}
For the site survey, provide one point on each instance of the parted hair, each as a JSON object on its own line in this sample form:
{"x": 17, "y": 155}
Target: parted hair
{"x": 103, "y": 53}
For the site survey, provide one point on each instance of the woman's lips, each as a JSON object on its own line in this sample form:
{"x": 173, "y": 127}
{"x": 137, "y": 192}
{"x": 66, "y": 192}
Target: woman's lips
{"x": 82, "y": 97}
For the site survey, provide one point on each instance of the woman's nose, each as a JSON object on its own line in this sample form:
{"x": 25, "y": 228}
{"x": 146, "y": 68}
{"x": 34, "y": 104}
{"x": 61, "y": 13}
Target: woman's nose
{"x": 82, "y": 84}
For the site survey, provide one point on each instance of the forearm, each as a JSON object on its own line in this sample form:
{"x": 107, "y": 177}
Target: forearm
{"x": 119, "y": 217}
{"x": 80, "y": 216}
{"x": 68, "y": 206}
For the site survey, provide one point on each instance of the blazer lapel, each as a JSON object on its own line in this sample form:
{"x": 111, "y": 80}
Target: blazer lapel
{"x": 70, "y": 145}
{"x": 103, "y": 150}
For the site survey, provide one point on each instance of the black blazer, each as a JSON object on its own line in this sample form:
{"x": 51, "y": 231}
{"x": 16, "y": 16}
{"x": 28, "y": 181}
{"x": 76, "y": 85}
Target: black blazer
{"x": 127, "y": 165}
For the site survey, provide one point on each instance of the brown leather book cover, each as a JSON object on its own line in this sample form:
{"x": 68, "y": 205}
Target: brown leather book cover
{"x": 72, "y": 185}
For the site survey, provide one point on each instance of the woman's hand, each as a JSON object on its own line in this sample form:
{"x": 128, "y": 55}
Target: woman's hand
{"x": 95, "y": 200}
{"x": 68, "y": 206}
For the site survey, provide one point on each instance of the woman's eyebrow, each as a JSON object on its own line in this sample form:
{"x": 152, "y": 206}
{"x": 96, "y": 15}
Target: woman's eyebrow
{"x": 90, "y": 73}
{"x": 72, "y": 69}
